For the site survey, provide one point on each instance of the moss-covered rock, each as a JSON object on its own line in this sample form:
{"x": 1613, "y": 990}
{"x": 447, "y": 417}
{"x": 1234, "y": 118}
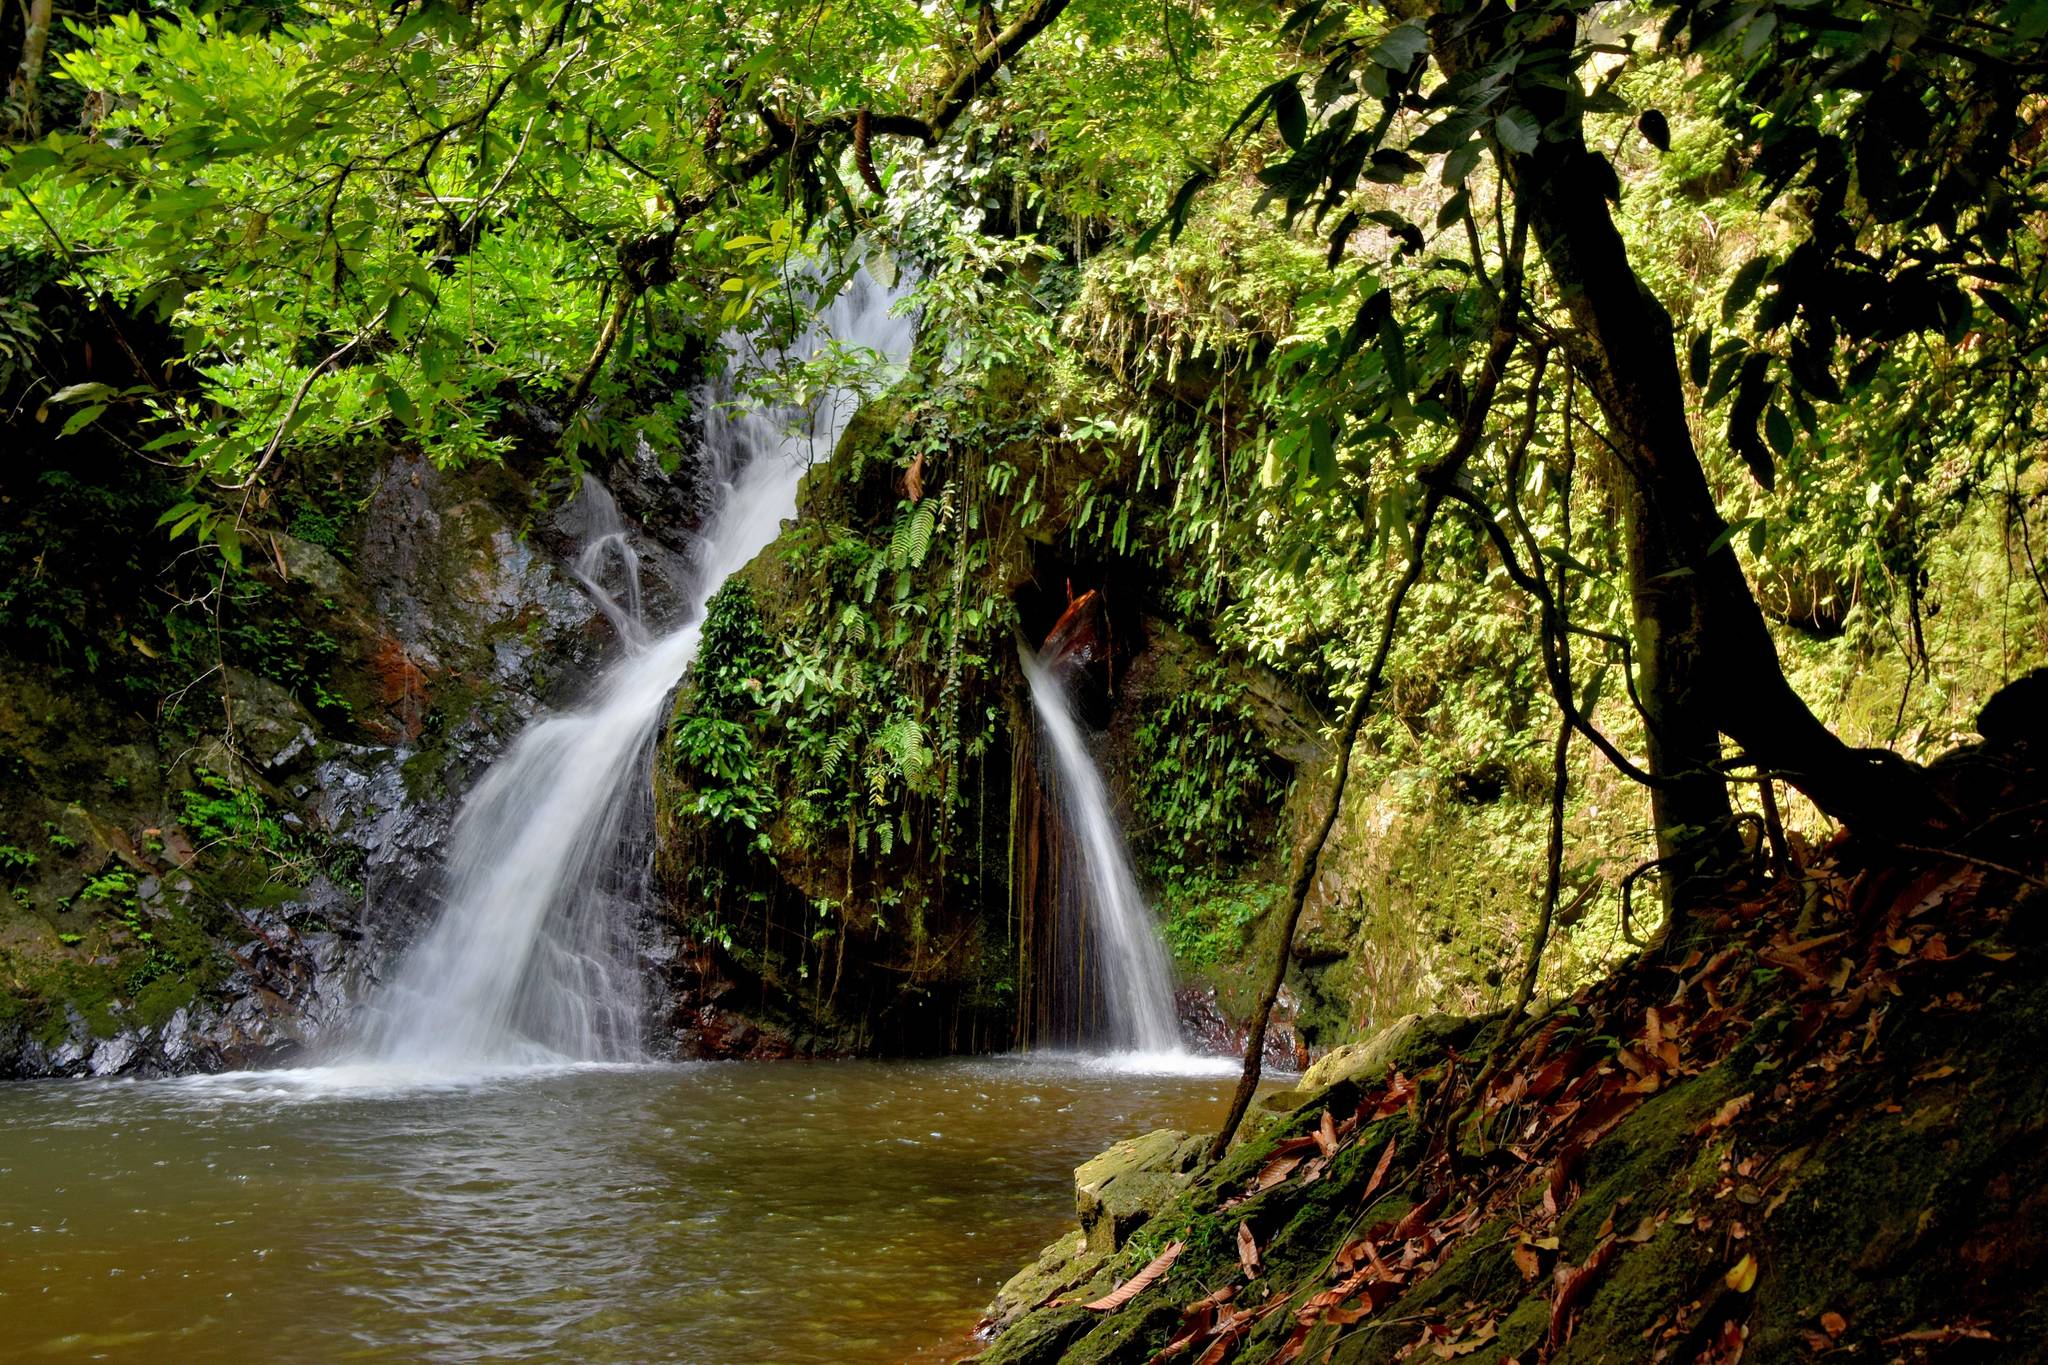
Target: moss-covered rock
{"x": 1792, "y": 1165}
{"x": 1119, "y": 1191}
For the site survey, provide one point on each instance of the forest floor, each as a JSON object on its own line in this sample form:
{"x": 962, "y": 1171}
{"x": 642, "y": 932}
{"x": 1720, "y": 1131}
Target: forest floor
{"x": 1816, "y": 1130}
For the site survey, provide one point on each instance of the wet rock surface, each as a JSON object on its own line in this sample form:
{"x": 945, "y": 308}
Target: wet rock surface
{"x": 454, "y": 614}
{"x": 1206, "y": 1026}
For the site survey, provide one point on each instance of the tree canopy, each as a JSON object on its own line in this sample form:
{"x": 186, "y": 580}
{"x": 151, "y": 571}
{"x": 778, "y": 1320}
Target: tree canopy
{"x": 1678, "y": 332}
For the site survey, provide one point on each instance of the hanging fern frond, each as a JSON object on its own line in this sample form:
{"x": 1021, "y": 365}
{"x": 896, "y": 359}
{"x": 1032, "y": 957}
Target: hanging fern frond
{"x": 839, "y": 746}
{"x": 921, "y": 523}
{"x": 853, "y": 626}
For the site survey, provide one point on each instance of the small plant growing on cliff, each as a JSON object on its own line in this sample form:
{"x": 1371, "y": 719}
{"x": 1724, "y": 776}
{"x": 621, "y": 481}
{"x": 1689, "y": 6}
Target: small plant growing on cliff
{"x": 715, "y": 744}
{"x": 112, "y": 886}
{"x": 14, "y": 858}
{"x": 220, "y": 813}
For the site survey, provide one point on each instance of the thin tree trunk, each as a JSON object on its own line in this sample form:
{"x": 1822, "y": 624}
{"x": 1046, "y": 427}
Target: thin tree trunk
{"x": 1312, "y": 856}
{"x": 1553, "y": 875}
{"x": 26, "y": 82}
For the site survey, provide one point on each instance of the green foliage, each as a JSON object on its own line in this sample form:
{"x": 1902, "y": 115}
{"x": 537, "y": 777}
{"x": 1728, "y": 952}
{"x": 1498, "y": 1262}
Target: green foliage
{"x": 220, "y": 813}
{"x": 713, "y": 744}
{"x": 1203, "y": 778}
{"x": 327, "y": 228}
{"x": 1207, "y": 920}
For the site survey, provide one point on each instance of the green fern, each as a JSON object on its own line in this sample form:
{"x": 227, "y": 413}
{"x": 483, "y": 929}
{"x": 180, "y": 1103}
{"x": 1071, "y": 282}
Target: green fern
{"x": 854, "y": 626}
{"x": 910, "y": 540}
{"x": 838, "y": 747}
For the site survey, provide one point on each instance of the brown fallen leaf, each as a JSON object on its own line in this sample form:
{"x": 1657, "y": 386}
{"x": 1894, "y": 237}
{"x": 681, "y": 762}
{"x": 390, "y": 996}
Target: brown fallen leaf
{"x": 1741, "y": 1276}
{"x": 1235, "y": 1329}
{"x": 1138, "y": 1283}
{"x": 1400, "y": 1090}
{"x": 1945, "y": 1336}
{"x": 1526, "y": 1260}
{"x": 1546, "y": 1081}
{"x": 1248, "y": 1251}
{"x": 1417, "y": 1218}
{"x": 1379, "y": 1172}
{"x": 1574, "y": 1285}
{"x": 1834, "y": 1324}
{"x": 1729, "y": 1112}
{"x": 1228, "y": 1333}
{"x": 1326, "y": 1134}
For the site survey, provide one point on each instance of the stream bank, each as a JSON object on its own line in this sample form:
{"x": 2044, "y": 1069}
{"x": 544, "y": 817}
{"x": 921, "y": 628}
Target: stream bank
{"x": 1816, "y": 1128}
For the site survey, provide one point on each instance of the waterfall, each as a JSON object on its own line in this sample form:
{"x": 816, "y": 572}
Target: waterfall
{"x": 1135, "y": 980}
{"x": 533, "y": 956}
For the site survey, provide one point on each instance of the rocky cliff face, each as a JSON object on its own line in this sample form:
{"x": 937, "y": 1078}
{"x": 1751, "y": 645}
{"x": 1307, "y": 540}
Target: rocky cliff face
{"x": 221, "y": 818}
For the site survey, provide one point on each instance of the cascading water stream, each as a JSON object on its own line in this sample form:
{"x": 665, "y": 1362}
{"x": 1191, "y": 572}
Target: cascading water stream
{"x": 532, "y": 958}
{"x": 1136, "y": 979}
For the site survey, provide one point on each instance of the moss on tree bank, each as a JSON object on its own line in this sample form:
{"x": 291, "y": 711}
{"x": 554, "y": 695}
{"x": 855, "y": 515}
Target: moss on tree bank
{"x": 1817, "y": 1132}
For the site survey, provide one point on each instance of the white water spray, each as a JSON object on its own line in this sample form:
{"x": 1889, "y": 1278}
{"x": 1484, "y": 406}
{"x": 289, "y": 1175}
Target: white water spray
{"x": 1137, "y": 985}
{"x": 532, "y": 960}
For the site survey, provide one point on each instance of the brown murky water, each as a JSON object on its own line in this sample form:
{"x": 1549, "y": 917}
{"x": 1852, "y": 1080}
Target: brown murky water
{"x": 720, "y": 1212}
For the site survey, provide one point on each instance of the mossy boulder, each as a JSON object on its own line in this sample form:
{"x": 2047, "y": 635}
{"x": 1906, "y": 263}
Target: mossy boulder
{"x": 1119, "y": 1191}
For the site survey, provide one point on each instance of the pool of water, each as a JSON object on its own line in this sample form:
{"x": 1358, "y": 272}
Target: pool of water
{"x": 713, "y": 1212}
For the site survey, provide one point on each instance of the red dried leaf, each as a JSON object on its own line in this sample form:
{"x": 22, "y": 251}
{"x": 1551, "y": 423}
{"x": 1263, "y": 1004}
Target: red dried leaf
{"x": 1248, "y": 1251}
{"x": 1727, "y": 1113}
{"x": 1574, "y": 1285}
{"x": 1290, "y": 1349}
{"x": 1545, "y": 1082}
{"x": 1418, "y": 1217}
{"x": 1961, "y": 1331}
{"x": 1138, "y": 1283}
{"x": 1379, "y": 1172}
{"x": 1228, "y": 1333}
{"x": 1591, "y": 1123}
{"x": 1393, "y": 1099}
{"x": 1326, "y": 1134}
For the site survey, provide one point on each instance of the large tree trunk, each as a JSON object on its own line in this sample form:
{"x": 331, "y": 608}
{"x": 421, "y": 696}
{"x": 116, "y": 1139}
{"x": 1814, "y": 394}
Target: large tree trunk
{"x": 1707, "y": 665}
